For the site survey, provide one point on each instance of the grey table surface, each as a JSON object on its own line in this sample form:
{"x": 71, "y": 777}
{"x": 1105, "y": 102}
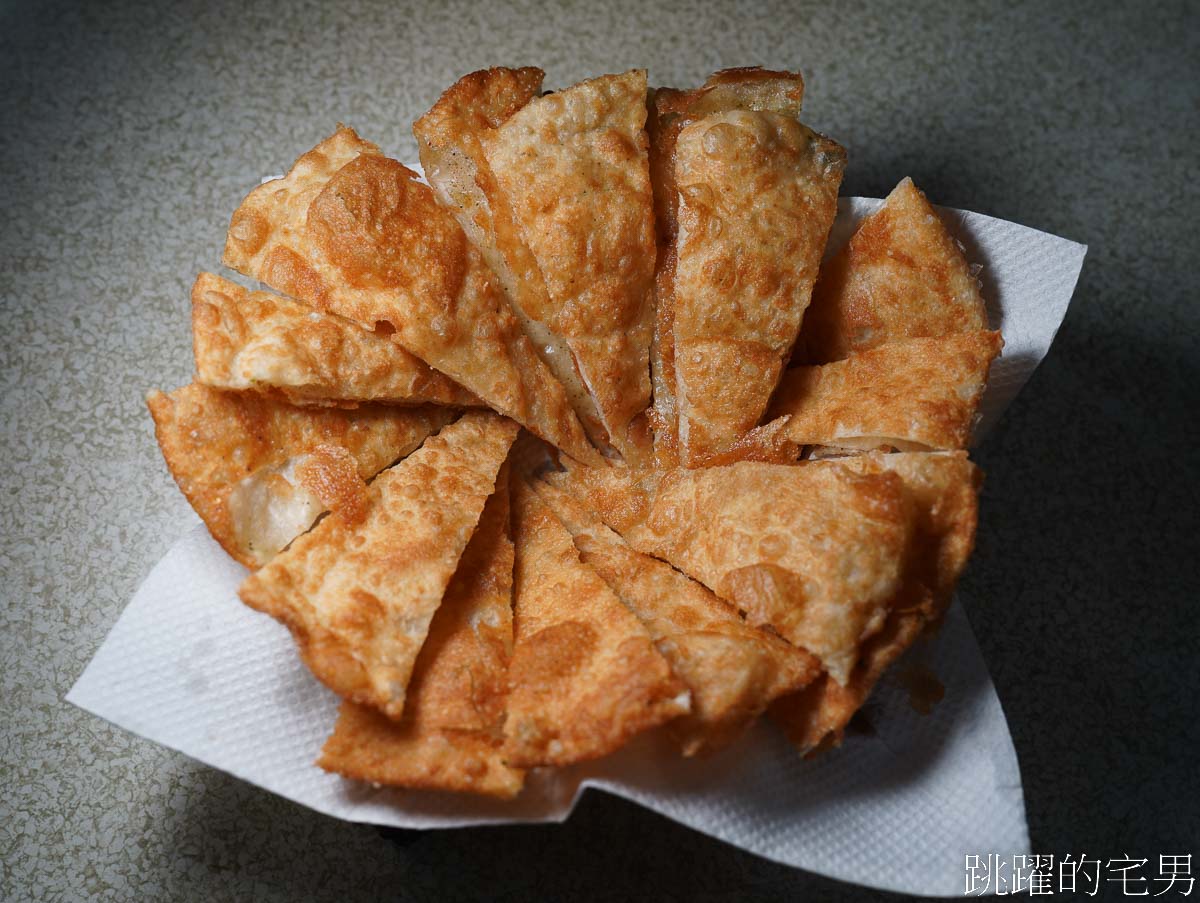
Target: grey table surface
{"x": 130, "y": 132}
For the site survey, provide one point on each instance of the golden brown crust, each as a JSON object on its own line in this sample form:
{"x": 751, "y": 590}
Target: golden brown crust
{"x": 742, "y": 88}
{"x": 239, "y": 457}
{"x": 450, "y": 138}
{"x": 368, "y": 746}
{"x": 331, "y": 474}
{"x": 450, "y": 735}
{"x": 585, "y": 676}
{"x": 757, "y": 197}
{"x": 816, "y": 716}
{"x": 816, "y": 553}
{"x": 262, "y": 341}
{"x": 572, "y": 169}
{"x": 914, "y": 394}
{"x": 944, "y": 489}
{"x": 671, "y": 110}
{"x": 354, "y": 233}
{"x": 733, "y": 670}
{"x": 460, "y": 679}
{"x": 768, "y": 443}
{"x": 476, "y": 102}
{"x": 359, "y": 598}
{"x": 901, "y": 276}
{"x": 755, "y": 95}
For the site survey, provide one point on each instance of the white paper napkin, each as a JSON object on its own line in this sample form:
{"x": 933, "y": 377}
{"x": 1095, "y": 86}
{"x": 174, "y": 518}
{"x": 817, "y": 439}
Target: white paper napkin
{"x": 189, "y": 667}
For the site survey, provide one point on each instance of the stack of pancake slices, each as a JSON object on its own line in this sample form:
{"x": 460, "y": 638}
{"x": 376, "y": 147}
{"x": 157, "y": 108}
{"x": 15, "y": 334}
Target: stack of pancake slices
{"x": 586, "y": 435}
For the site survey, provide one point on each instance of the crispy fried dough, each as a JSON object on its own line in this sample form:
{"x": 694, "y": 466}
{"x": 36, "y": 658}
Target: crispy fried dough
{"x": 757, "y": 197}
{"x": 913, "y": 395}
{"x": 354, "y": 233}
{"x": 745, "y": 88}
{"x": 450, "y": 138}
{"x": 671, "y": 110}
{"x": 369, "y": 746}
{"x": 901, "y": 276}
{"x": 259, "y": 471}
{"x": 663, "y": 414}
{"x": 585, "y": 676}
{"x": 450, "y": 734}
{"x": 945, "y": 490}
{"x": 278, "y": 346}
{"x": 359, "y": 598}
{"x": 816, "y": 553}
{"x": 816, "y": 717}
{"x": 732, "y": 669}
{"x": 572, "y": 171}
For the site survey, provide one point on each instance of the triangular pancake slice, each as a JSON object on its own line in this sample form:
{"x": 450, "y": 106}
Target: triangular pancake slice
{"x": 945, "y": 490}
{"x": 368, "y": 746}
{"x": 750, "y": 88}
{"x": 815, "y": 553}
{"x": 733, "y": 670}
{"x": 816, "y": 717}
{"x": 901, "y": 276}
{"x": 260, "y": 471}
{"x": 359, "y": 597}
{"x": 585, "y": 676}
{"x": 450, "y": 735}
{"x": 450, "y": 139}
{"x": 757, "y": 197}
{"x": 354, "y": 233}
{"x": 281, "y": 347}
{"x": 912, "y": 395}
{"x": 573, "y": 172}
{"x": 671, "y": 109}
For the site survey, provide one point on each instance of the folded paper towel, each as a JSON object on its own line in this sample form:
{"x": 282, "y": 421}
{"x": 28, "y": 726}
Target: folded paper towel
{"x": 189, "y": 667}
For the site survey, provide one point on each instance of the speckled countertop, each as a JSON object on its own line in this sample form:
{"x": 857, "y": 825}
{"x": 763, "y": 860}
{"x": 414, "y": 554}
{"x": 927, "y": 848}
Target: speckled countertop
{"x": 130, "y": 132}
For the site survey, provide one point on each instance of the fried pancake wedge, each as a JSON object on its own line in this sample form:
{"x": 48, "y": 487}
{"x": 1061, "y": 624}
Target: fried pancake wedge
{"x": 672, "y": 109}
{"x": 901, "y": 276}
{"x": 757, "y": 197}
{"x": 816, "y": 717}
{"x": 945, "y": 489}
{"x": 450, "y": 735}
{"x": 281, "y": 347}
{"x": 448, "y": 140}
{"x": 359, "y": 597}
{"x": 368, "y": 746}
{"x": 260, "y": 471}
{"x": 750, "y": 88}
{"x": 571, "y": 170}
{"x": 914, "y": 395}
{"x": 354, "y": 233}
{"x": 815, "y": 553}
{"x": 733, "y": 670}
{"x": 585, "y": 676}
{"x": 744, "y": 196}
{"x": 451, "y": 138}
